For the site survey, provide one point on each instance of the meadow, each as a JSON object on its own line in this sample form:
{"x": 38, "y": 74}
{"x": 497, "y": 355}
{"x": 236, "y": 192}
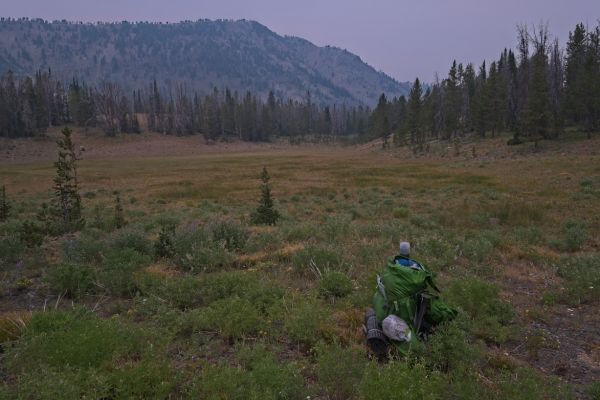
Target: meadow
{"x": 191, "y": 300}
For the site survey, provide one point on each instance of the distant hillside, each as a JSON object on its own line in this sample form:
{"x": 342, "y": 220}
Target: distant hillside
{"x": 242, "y": 55}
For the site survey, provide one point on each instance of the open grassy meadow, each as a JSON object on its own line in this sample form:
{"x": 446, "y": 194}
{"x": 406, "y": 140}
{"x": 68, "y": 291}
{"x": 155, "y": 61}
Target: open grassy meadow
{"x": 189, "y": 299}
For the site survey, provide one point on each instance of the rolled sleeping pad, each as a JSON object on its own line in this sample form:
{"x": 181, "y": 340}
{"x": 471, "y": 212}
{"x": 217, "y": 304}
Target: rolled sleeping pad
{"x": 376, "y": 339}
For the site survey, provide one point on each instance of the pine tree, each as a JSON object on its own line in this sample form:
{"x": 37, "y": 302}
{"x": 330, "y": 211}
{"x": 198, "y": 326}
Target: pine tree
{"x": 537, "y": 114}
{"x": 265, "y": 213}
{"x": 119, "y": 219}
{"x": 414, "y": 115}
{"x": 66, "y": 205}
{"x": 452, "y": 102}
{"x": 4, "y": 205}
{"x": 381, "y": 123}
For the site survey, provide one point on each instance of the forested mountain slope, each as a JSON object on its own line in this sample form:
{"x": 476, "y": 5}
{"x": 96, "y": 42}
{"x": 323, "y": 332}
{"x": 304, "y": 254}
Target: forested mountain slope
{"x": 240, "y": 55}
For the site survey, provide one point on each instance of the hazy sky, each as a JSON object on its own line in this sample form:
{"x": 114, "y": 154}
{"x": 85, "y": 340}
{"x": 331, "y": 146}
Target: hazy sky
{"x": 403, "y": 38}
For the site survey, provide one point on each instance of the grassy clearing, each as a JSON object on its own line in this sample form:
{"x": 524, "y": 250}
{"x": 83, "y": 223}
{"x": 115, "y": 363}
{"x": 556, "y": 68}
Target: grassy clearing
{"x": 189, "y": 300}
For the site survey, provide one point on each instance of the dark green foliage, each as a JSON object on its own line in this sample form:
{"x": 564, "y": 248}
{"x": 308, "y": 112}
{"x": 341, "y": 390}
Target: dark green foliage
{"x": 164, "y": 247}
{"x": 182, "y": 293}
{"x": 71, "y": 339}
{"x": 232, "y": 318}
{"x": 450, "y": 348}
{"x": 119, "y": 218}
{"x": 31, "y": 234}
{"x": 340, "y": 370}
{"x": 261, "y": 377}
{"x": 115, "y": 274}
{"x": 130, "y": 238}
{"x": 323, "y": 258}
{"x": 71, "y": 280}
{"x": 196, "y": 251}
{"x": 582, "y": 278}
{"x": 4, "y": 205}
{"x": 527, "y": 383}
{"x": 66, "y": 204}
{"x": 230, "y": 234}
{"x": 417, "y": 383}
{"x": 265, "y": 213}
{"x": 334, "y": 284}
{"x": 480, "y": 301}
{"x": 303, "y": 321}
{"x": 83, "y": 250}
{"x": 575, "y": 235}
{"x": 11, "y": 249}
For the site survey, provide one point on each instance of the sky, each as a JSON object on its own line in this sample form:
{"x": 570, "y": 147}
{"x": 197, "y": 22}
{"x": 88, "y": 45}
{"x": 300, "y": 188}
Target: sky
{"x": 405, "y": 39}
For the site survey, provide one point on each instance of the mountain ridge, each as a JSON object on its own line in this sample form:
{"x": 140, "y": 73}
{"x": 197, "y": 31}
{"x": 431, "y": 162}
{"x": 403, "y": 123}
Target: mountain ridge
{"x": 238, "y": 54}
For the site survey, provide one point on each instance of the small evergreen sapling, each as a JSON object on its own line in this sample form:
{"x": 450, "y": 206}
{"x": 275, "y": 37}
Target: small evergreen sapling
{"x": 265, "y": 213}
{"x": 4, "y": 205}
{"x": 119, "y": 220}
{"x": 66, "y": 205}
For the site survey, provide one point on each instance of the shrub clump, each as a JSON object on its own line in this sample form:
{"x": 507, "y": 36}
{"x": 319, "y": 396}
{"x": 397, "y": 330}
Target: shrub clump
{"x": 575, "y": 235}
{"x": 334, "y": 284}
{"x": 582, "y": 276}
{"x": 116, "y": 273}
{"x": 340, "y": 370}
{"x": 480, "y": 301}
{"x": 71, "y": 280}
{"x": 78, "y": 339}
{"x": 232, "y": 318}
{"x": 195, "y": 251}
{"x": 260, "y": 377}
{"x": 229, "y": 234}
{"x": 323, "y": 258}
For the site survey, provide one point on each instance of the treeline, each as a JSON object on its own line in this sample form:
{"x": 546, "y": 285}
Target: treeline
{"x": 533, "y": 93}
{"x": 30, "y": 105}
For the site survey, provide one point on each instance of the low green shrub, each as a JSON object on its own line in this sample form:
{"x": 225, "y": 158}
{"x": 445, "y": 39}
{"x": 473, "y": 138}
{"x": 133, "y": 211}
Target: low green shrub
{"x": 400, "y": 212}
{"x": 323, "y": 258}
{"x": 196, "y": 252}
{"x": 340, "y": 370}
{"x": 131, "y": 238}
{"x": 263, "y": 378}
{"x": 515, "y": 212}
{"x": 480, "y": 301}
{"x": 31, "y": 234}
{"x": 303, "y": 321}
{"x": 477, "y": 247}
{"x": 401, "y": 380}
{"x": 528, "y": 384}
{"x": 582, "y": 278}
{"x": 298, "y": 232}
{"x": 178, "y": 292}
{"x": 574, "y": 234}
{"x": 229, "y": 234}
{"x": 79, "y": 339}
{"x": 84, "y": 249}
{"x": 11, "y": 250}
{"x": 334, "y": 284}
{"x": 450, "y": 349}
{"x": 115, "y": 275}
{"x": 335, "y": 228}
{"x": 438, "y": 252}
{"x": 71, "y": 280}
{"x": 233, "y": 318}
{"x": 531, "y": 235}
{"x": 138, "y": 381}
{"x": 594, "y": 390}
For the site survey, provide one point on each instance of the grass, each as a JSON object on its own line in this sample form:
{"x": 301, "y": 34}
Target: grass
{"x": 190, "y": 300}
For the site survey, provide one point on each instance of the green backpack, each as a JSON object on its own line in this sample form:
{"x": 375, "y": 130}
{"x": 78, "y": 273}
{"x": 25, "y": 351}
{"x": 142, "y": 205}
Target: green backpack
{"x": 399, "y": 291}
